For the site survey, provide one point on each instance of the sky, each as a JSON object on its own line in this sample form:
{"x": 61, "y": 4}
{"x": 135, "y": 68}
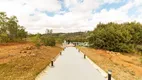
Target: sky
{"x": 71, "y": 15}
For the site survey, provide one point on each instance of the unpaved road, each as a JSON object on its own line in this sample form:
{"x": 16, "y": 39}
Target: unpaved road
{"x": 71, "y": 66}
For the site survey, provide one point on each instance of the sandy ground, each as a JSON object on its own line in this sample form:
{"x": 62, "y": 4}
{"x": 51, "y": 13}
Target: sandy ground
{"x": 11, "y": 51}
{"x": 71, "y": 65}
{"x": 23, "y": 61}
{"x": 124, "y": 67}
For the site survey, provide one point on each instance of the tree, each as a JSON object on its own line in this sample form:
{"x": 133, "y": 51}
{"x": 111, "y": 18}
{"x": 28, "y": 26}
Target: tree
{"x": 21, "y": 33}
{"x": 3, "y": 22}
{"x": 4, "y": 38}
{"x": 116, "y": 37}
{"x": 12, "y": 27}
{"x": 10, "y": 30}
{"x": 48, "y": 31}
{"x": 48, "y": 41}
{"x": 37, "y": 40}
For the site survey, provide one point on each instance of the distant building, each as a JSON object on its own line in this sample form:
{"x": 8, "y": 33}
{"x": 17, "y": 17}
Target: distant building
{"x": 86, "y": 44}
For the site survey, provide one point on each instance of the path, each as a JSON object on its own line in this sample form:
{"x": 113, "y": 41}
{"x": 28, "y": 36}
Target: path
{"x": 71, "y": 66}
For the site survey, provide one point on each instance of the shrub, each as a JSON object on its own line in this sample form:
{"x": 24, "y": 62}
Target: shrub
{"x": 117, "y": 37}
{"x": 141, "y": 60}
{"x": 4, "y": 38}
{"x": 139, "y": 48}
{"x": 37, "y": 45}
{"x": 126, "y": 47}
{"x": 48, "y": 41}
{"x": 36, "y": 40}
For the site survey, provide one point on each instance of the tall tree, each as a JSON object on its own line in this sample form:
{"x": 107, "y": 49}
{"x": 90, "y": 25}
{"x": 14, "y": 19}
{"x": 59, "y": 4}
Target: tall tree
{"x": 10, "y": 30}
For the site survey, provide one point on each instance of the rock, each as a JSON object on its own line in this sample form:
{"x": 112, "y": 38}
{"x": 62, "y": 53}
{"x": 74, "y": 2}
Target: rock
{"x": 107, "y": 52}
{"x": 118, "y": 54}
{"x": 11, "y": 55}
{"x": 23, "y": 51}
{"x": 33, "y": 54}
{"x": 24, "y": 55}
{"x": 28, "y": 48}
{"x": 29, "y": 52}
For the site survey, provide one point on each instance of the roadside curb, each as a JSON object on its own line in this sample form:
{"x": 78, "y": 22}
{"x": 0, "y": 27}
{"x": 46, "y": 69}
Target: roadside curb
{"x": 48, "y": 66}
{"x": 103, "y": 73}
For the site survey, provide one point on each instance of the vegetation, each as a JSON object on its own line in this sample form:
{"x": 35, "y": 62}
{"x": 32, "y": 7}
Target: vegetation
{"x": 48, "y": 41}
{"x": 117, "y": 37}
{"x": 10, "y": 30}
{"x": 70, "y": 37}
{"x": 43, "y": 39}
{"x": 36, "y": 40}
{"x": 125, "y": 37}
{"x": 76, "y": 37}
{"x": 141, "y": 59}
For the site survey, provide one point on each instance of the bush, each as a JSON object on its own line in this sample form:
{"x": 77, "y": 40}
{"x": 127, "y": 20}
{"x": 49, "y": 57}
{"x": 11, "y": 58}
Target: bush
{"x": 117, "y": 37}
{"x": 37, "y": 45}
{"x": 141, "y": 60}
{"x": 126, "y": 47}
{"x": 139, "y": 48}
{"x": 48, "y": 41}
{"x": 36, "y": 40}
{"x": 4, "y": 38}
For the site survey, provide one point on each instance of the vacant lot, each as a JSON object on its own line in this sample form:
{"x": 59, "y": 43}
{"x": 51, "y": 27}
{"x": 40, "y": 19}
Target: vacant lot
{"x": 23, "y": 61}
{"x": 124, "y": 67}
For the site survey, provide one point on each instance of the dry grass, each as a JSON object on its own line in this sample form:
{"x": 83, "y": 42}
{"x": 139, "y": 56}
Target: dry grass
{"x": 124, "y": 67}
{"x": 24, "y": 61}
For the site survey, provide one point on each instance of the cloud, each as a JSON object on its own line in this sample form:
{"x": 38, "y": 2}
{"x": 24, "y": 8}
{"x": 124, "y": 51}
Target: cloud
{"x": 69, "y": 15}
{"x": 111, "y": 1}
{"x": 45, "y": 5}
{"x": 84, "y": 6}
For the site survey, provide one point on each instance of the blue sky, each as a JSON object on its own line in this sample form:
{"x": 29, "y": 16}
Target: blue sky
{"x": 71, "y": 15}
{"x": 106, "y": 6}
{"x": 109, "y": 6}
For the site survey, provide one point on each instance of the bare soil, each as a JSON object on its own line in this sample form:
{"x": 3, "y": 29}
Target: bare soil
{"x": 124, "y": 66}
{"x": 23, "y": 61}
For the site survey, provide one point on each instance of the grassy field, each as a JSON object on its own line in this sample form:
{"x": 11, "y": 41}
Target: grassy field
{"x": 24, "y": 61}
{"x": 124, "y": 67}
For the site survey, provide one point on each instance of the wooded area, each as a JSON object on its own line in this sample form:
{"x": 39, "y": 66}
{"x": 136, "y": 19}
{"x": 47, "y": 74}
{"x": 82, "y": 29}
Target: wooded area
{"x": 125, "y": 37}
{"x": 10, "y": 30}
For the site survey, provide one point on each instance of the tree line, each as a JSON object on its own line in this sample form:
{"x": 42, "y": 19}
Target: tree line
{"x": 125, "y": 37}
{"x": 47, "y": 39}
{"x": 10, "y": 30}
